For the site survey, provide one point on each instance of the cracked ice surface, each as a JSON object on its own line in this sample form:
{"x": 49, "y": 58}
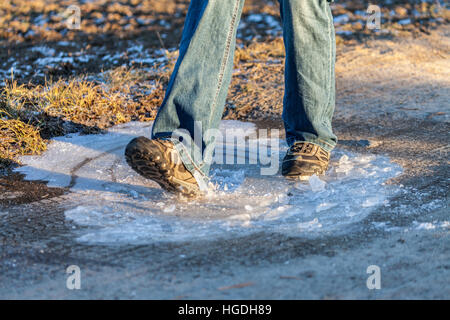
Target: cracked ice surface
{"x": 115, "y": 205}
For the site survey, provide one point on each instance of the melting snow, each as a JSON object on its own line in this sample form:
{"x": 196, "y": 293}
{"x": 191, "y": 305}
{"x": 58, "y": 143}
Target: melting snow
{"x": 115, "y": 205}
{"x": 344, "y": 18}
{"x": 431, "y": 225}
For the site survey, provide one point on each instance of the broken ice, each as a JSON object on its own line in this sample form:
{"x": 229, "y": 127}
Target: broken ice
{"x": 316, "y": 184}
{"x": 119, "y": 206}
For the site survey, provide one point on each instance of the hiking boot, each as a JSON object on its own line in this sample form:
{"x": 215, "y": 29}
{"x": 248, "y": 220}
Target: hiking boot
{"x": 303, "y": 160}
{"x": 158, "y": 160}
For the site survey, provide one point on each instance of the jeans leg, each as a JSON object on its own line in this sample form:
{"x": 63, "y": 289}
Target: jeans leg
{"x": 198, "y": 87}
{"x": 309, "y": 98}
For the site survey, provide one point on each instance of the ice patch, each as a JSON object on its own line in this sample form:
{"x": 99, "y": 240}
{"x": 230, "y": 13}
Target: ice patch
{"x": 44, "y": 50}
{"x": 404, "y": 21}
{"x": 344, "y": 18}
{"x": 313, "y": 224}
{"x": 344, "y": 32}
{"x": 431, "y": 225}
{"x": 425, "y": 226}
{"x": 115, "y": 205}
{"x": 445, "y": 224}
{"x": 271, "y": 25}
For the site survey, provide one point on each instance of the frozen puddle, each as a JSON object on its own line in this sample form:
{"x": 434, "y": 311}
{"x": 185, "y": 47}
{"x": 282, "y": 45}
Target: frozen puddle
{"x": 115, "y": 205}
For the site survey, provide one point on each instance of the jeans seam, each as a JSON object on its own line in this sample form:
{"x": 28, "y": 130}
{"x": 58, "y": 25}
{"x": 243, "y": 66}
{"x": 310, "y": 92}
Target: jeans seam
{"x": 324, "y": 142}
{"x": 330, "y": 67}
{"x": 225, "y": 57}
{"x": 330, "y": 62}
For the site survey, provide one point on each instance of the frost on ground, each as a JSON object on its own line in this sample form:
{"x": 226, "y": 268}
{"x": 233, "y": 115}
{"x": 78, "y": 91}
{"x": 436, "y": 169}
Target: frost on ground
{"x": 113, "y": 204}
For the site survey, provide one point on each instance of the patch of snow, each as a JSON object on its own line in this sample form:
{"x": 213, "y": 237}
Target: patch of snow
{"x": 404, "y": 21}
{"x": 431, "y": 225}
{"x": 424, "y": 226}
{"x": 344, "y": 32}
{"x": 272, "y": 24}
{"x": 49, "y": 61}
{"x": 255, "y": 17}
{"x": 44, "y": 50}
{"x": 343, "y": 18}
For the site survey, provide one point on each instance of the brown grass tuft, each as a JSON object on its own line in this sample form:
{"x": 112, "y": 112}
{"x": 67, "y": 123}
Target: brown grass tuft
{"x": 31, "y": 112}
{"x": 18, "y": 138}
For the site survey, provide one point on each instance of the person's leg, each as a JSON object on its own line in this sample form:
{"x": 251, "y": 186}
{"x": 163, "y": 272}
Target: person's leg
{"x": 198, "y": 87}
{"x": 309, "y": 76}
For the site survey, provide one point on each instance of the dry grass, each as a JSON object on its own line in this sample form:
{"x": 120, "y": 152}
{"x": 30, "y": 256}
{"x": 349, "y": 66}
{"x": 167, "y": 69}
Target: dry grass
{"x": 79, "y": 101}
{"x": 121, "y": 95}
{"x": 31, "y": 112}
{"x": 18, "y": 138}
{"x": 257, "y": 81}
{"x": 259, "y": 51}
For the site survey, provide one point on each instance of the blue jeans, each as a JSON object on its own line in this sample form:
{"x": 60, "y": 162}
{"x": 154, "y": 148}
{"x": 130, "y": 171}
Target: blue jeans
{"x": 198, "y": 87}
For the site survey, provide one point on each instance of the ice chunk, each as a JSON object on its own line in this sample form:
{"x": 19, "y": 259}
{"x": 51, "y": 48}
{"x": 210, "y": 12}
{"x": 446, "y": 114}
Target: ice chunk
{"x": 344, "y": 165}
{"x": 344, "y": 159}
{"x": 170, "y": 208}
{"x": 372, "y": 201}
{"x": 325, "y": 206}
{"x": 316, "y": 184}
{"x": 302, "y": 186}
{"x": 282, "y": 198}
{"x": 309, "y": 225}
